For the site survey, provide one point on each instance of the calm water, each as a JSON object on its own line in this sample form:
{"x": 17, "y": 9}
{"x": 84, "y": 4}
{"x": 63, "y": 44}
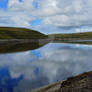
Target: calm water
{"x": 25, "y": 71}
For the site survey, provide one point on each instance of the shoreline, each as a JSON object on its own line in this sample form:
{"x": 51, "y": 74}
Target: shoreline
{"x": 79, "y": 83}
{"x": 19, "y": 41}
{"x": 48, "y": 88}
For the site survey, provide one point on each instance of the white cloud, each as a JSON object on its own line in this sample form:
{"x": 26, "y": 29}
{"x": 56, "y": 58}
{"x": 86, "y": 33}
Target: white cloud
{"x": 26, "y": 5}
{"x": 19, "y": 19}
{"x": 72, "y": 13}
{"x": 62, "y": 13}
{"x": 18, "y": 14}
{"x": 22, "y": 19}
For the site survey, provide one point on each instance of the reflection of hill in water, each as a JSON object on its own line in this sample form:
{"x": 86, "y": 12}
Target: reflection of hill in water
{"x": 11, "y": 48}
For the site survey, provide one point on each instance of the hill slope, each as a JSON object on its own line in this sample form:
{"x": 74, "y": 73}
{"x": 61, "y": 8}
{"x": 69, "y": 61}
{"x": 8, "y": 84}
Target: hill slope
{"x": 79, "y": 36}
{"x": 19, "y": 33}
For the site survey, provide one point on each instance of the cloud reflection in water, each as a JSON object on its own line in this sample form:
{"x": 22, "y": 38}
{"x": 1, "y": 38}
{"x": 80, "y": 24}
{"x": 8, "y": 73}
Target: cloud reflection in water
{"x": 46, "y": 65}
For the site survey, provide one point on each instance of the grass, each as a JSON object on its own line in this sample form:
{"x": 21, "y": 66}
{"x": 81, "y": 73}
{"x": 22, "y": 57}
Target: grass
{"x": 73, "y": 38}
{"x": 24, "y": 33}
{"x": 84, "y": 35}
{"x": 20, "y": 33}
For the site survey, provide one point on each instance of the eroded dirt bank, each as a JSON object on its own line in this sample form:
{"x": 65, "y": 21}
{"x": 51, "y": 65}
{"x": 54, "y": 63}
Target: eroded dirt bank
{"x": 79, "y": 83}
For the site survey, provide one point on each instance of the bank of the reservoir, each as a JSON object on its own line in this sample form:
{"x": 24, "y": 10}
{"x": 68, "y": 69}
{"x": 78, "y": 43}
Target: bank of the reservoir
{"x": 79, "y": 83}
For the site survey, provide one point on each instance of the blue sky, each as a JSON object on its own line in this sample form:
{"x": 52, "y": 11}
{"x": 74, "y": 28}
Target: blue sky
{"x": 20, "y": 0}
{"x": 35, "y": 4}
{"x": 3, "y": 4}
{"x": 36, "y": 22}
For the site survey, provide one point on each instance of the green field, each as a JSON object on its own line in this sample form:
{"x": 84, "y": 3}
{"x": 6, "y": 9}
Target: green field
{"x": 24, "y": 33}
{"x": 20, "y": 33}
{"x": 16, "y": 35}
{"x": 80, "y": 36}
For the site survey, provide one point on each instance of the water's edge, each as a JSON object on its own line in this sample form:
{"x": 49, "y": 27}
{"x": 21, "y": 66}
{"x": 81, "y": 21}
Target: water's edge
{"x": 19, "y": 41}
{"x": 50, "y": 88}
{"x": 81, "y": 83}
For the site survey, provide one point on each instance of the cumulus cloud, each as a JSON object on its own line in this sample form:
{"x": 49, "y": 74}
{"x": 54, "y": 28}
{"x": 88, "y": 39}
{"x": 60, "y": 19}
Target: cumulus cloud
{"x": 17, "y": 14}
{"x": 25, "y": 5}
{"x": 59, "y": 13}
{"x": 72, "y": 13}
{"x": 19, "y": 19}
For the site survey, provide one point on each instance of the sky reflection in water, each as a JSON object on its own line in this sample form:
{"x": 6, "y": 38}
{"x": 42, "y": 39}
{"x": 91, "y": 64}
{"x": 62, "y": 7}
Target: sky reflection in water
{"x": 24, "y": 71}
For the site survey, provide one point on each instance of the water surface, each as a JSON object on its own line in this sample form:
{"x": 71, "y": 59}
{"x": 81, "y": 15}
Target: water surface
{"x": 27, "y": 70}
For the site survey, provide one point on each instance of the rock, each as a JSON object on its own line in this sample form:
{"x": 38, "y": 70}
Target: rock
{"x": 79, "y": 83}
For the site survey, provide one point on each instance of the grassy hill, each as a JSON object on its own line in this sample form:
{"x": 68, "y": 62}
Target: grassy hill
{"x": 24, "y": 33}
{"x": 20, "y": 33}
{"x": 84, "y": 35}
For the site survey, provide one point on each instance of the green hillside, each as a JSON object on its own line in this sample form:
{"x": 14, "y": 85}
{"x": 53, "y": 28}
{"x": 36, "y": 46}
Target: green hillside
{"x": 20, "y": 33}
{"x": 84, "y": 35}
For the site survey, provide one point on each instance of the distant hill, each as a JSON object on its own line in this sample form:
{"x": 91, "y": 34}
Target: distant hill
{"x": 75, "y": 36}
{"x": 20, "y": 33}
{"x": 24, "y": 33}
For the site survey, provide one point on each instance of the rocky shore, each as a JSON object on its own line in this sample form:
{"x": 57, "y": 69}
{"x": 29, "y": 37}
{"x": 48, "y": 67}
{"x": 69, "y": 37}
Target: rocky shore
{"x": 79, "y": 83}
